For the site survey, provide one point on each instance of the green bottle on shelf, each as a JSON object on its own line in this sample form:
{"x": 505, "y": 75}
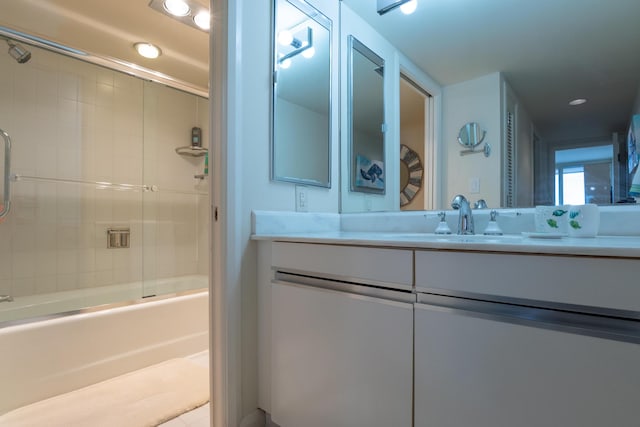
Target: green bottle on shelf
{"x": 206, "y": 164}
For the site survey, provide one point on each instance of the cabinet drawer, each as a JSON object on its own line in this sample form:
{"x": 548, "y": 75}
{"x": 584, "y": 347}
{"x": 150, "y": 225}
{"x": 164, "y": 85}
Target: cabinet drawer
{"x": 390, "y": 267}
{"x": 602, "y": 283}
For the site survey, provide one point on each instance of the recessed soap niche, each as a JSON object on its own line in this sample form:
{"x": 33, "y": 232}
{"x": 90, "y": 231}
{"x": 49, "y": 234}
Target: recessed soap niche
{"x": 118, "y": 238}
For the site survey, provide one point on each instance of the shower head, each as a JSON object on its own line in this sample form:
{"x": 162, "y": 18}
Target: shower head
{"x": 18, "y": 52}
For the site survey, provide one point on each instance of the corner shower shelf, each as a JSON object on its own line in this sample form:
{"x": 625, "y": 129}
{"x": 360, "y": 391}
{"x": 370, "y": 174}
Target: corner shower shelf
{"x": 192, "y": 151}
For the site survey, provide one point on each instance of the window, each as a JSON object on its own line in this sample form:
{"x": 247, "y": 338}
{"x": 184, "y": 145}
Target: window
{"x": 584, "y": 175}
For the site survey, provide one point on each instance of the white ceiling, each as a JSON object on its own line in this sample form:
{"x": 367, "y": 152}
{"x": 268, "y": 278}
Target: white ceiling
{"x": 551, "y": 51}
{"x": 110, "y": 27}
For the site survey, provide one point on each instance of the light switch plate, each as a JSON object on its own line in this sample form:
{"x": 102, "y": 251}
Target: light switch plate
{"x": 474, "y": 185}
{"x": 302, "y": 199}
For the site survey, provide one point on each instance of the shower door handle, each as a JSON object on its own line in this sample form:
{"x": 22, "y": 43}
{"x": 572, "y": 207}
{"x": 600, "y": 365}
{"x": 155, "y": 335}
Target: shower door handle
{"x": 6, "y": 204}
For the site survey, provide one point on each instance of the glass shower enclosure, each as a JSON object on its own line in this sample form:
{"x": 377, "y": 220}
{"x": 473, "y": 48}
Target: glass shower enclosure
{"x": 102, "y": 207}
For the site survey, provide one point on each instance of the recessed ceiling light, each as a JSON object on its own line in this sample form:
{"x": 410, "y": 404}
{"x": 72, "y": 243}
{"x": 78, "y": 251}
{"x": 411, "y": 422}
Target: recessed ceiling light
{"x": 147, "y": 50}
{"x": 577, "y": 101}
{"x": 409, "y": 7}
{"x": 203, "y": 19}
{"x": 177, "y": 7}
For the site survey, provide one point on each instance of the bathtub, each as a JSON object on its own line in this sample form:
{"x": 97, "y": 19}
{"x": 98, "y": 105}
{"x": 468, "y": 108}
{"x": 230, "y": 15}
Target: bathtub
{"x": 61, "y": 303}
{"x": 58, "y": 354}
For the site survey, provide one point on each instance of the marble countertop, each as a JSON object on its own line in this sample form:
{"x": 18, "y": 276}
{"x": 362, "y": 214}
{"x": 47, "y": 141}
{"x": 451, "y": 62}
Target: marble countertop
{"x": 530, "y": 243}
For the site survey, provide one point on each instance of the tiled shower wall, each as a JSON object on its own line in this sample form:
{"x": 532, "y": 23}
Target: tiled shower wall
{"x": 71, "y": 120}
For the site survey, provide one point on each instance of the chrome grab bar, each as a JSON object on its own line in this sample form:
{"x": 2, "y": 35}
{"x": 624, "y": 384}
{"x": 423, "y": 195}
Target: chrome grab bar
{"x": 6, "y": 203}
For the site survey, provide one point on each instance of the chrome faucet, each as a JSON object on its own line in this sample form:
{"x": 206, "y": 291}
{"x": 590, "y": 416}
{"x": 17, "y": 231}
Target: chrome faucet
{"x": 465, "y": 218}
{"x": 6, "y": 298}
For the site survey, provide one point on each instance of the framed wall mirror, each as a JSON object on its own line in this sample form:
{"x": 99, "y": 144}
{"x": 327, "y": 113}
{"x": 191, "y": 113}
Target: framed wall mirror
{"x": 366, "y": 119}
{"x": 301, "y": 122}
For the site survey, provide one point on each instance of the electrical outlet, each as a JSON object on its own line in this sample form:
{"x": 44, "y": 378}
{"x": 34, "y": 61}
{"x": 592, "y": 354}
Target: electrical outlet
{"x": 474, "y": 185}
{"x": 302, "y": 199}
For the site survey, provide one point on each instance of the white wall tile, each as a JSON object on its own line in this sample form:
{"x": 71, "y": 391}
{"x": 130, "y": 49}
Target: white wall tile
{"x": 72, "y": 120}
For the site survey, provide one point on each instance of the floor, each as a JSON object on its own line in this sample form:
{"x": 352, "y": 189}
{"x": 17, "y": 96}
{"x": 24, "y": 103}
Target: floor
{"x": 199, "y": 417}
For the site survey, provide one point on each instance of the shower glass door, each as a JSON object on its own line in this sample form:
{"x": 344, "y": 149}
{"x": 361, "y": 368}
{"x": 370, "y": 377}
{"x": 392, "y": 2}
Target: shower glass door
{"x": 176, "y": 209}
{"x": 103, "y": 208}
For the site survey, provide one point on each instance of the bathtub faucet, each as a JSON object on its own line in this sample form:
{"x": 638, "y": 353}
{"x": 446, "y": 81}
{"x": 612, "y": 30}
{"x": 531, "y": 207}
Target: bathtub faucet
{"x": 6, "y": 298}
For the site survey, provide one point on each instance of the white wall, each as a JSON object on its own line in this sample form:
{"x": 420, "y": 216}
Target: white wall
{"x": 476, "y": 100}
{"x": 241, "y": 85}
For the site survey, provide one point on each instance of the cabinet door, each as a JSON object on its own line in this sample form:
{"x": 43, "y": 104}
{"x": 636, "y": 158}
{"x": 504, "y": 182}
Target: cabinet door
{"x": 481, "y": 371}
{"x": 340, "y": 360}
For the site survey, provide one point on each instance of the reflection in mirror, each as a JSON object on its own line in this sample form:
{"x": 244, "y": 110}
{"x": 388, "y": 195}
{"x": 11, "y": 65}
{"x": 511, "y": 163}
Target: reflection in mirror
{"x": 301, "y": 95}
{"x": 366, "y": 118}
{"x": 471, "y": 135}
{"x": 543, "y": 79}
{"x": 584, "y": 175}
{"x": 410, "y": 175}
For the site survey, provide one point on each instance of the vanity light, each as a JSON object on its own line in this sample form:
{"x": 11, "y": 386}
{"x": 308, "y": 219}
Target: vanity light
{"x": 409, "y": 7}
{"x": 203, "y": 20}
{"x": 286, "y": 63}
{"x": 577, "y": 101}
{"x": 308, "y": 53}
{"x": 176, "y": 7}
{"x": 385, "y": 6}
{"x": 300, "y": 41}
{"x": 147, "y": 50}
{"x": 285, "y": 38}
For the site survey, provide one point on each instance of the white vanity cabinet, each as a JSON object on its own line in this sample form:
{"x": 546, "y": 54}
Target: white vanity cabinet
{"x": 341, "y": 353}
{"x": 509, "y": 363}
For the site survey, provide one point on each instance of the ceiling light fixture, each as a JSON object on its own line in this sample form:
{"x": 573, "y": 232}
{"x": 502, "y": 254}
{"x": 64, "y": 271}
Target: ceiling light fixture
{"x": 176, "y": 7}
{"x": 285, "y": 37}
{"x": 300, "y": 42}
{"x": 409, "y": 7}
{"x": 385, "y": 6}
{"x": 203, "y": 20}
{"x": 308, "y": 53}
{"x": 147, "y": 50}
{"x": 577, "y": 101}
{"x": 189, "y": 12}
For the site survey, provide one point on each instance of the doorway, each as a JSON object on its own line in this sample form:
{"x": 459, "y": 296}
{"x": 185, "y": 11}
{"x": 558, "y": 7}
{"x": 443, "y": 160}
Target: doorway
{"x": 415, "y": 104}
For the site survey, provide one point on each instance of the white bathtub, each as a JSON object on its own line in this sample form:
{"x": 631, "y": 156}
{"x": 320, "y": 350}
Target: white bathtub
{"x": 52, "y": 356}
{"x": 33, "y": 306}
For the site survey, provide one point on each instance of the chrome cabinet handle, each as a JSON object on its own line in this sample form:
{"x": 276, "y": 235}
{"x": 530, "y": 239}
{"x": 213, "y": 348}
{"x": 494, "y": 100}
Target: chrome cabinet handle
{"x": 6, "y": 204}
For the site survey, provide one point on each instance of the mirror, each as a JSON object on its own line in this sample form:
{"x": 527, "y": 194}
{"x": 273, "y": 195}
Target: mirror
{"x": 547, "y": 54}
{"x": 471, "y": 135}
{"x": 366, "y": 119}
{"x": 301, "y": 126}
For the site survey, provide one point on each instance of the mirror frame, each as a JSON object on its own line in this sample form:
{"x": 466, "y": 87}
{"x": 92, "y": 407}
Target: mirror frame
{"x": 354, "y": 44}
{"x": 321, "y": 19}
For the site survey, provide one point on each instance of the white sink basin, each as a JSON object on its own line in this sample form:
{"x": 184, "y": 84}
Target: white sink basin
{"x": 466, "y": 238}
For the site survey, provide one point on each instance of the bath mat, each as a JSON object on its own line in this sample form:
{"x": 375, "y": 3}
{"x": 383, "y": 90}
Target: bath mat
{"x": 146, "y": 397}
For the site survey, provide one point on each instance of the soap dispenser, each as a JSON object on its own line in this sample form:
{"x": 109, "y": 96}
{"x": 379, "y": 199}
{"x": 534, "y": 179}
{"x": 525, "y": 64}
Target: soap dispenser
{"x": 442, "y": 227}
{"x": 492, "y": 228}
